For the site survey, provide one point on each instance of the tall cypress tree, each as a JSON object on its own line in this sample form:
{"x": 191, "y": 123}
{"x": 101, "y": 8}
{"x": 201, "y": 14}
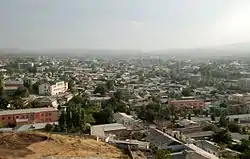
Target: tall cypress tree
{"x": 82, "y": 119}
{"x": 61, "y": 121}
{"x": 69, "y": 118}
{"x": 1, "y": 86}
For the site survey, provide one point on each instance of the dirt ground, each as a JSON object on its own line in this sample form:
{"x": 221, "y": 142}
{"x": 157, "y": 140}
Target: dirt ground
{"x": 38, "y": 145}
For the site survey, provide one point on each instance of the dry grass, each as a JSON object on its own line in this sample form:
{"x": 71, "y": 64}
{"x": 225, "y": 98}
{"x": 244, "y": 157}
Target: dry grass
{"x": 37, "y": 145}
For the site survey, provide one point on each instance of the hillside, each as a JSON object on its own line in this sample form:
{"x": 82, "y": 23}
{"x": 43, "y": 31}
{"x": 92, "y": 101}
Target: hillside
{"x": 37, "y": 145}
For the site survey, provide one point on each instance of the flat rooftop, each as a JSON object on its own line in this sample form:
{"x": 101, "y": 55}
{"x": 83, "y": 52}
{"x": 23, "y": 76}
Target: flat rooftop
{"x": 24, "y": 111}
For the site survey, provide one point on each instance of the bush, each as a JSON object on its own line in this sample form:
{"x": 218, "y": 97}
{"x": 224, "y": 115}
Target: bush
{"x": 48, "y": 127}
{"x": 235, "y": 128}
{"x": 209, "y": 128}
{"x": 1, "y": 125}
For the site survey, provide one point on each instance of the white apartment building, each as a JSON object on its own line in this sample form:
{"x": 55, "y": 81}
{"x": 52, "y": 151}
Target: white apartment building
{"x": 53, "y": 88}
{"x": 239, "y": 98}
{"x": 244, "y": 84}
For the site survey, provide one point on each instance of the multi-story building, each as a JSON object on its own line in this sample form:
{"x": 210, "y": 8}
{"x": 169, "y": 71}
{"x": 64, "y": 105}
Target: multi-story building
{"x": 12, "y": 85}
{"x": 244, "y": 84}
{"x": 25, "y": 66}
{"x": 231, "y": 83}
{"x": 239, "y": 98}
{"x": 190, "y": 104}
{"x": 53, "y": 88}
{"x": 28, "y": 116}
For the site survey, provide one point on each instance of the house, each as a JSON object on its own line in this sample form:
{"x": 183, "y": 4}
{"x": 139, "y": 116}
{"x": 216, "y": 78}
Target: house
{"x": 244, "y": 84}
{"x": 190, "y": 104}
{"x": 12, "y": 85}
{"x": 214, "y": 149}
{"x": 164, "y": 141}
{"x": 201, "y": 152}
{"x": 126, "y": 120}
{"x": 53, "y": 88}
{"x": 239, "y": 98}
{"x": 98, "y": 100}
{"x": 185, "y": 123}
{"x": 25, "y": 66}
{"x": 106, "y": 130}
{"x": 25, "y": 116}
{"x": 130, "y": 144}
{"x": 188, "y": 154}
{"x": 239, "y": 108}
{"x": 47, "y": 102}
{"x": 238, "y": 136}
{"x": 199, "y": 135}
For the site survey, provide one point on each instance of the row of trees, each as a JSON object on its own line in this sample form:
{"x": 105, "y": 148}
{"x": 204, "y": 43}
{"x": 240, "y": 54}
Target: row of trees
{"x": 80, "y": 111}
{"x": 103, "y": 88}
{"x": 224, "y": 139}
{"x": 74, "y": 119}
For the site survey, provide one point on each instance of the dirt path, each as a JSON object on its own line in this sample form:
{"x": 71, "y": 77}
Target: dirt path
{"x": 37, "y": 145}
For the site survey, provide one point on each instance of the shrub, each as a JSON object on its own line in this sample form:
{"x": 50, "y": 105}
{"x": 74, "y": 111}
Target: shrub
{"x": 48, "y": 127}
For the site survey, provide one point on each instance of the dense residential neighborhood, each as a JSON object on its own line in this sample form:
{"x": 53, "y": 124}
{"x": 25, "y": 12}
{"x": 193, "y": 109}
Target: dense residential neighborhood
{"x": 179, "y": 108}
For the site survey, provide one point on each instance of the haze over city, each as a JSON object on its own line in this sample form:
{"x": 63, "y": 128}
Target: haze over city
{"x": 125, "y": 24}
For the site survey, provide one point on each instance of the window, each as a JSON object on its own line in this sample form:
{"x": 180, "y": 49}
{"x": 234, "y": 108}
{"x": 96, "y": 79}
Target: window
{"x": 49, "y": 114}
{"x": 42, "y": 114}
{"x": 2, "y": 118}
{"x": 46, "y": 114}
{"x": 9, "y": 117}
{"x": 17, "y": 117}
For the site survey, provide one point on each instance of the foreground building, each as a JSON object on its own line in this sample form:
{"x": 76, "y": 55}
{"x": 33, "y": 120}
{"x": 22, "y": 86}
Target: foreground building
{"x": 28, "y": 116}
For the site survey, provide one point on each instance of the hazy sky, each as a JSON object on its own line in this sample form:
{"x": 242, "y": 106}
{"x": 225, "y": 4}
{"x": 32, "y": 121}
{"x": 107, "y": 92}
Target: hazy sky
{"x": 122, "y": 24}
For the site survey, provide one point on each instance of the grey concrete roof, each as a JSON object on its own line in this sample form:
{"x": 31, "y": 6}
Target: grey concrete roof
{"x": 98, "y": 130}
{"x": 200, "y": 134}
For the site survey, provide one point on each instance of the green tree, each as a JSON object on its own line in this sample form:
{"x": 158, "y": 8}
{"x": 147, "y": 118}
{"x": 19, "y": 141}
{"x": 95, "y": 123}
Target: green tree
{"x": 62, "y": 120}
{"x": 186, "y": 92}
{"x": 69, "y": 123}
{"x": 1, "y": 87}
{"x": 18, "y": 103}
{"x": 4, "y": 103}
{"x": 90, "y": 119}
{"x": 28, "y": 85}
{"x": 223, "y": 105}
{"x": 78, "y": 100}
{"x": 100, "y": 89}
{"x": 105, "y": 116}
{"x": 110, "y": 84}
{"x": 163, "y": 154}
{"x": 212, "y": 117}
{"x": 48, "y": 127}
{"x": 209, "y": 128}
{"x": 223, "y": 121}
{"x": 34, "y": 104}
{"x": 150, "y": 112}
{"x": 1, "y": 125}
{"x": 234, "y": 127}
{"x": 82, "y": 119}
{"x": 21, "y": 92}
{"x": 35, "y": 88}
{"x": 222, "y": 137}
{"x": 189, "y": 116}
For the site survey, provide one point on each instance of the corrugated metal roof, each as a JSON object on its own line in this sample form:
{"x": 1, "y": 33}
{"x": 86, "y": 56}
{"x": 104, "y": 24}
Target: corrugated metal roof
{"x": 23, "y": 111}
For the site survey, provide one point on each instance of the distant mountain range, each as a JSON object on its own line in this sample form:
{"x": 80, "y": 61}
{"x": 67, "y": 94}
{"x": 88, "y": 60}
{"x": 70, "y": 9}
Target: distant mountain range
{"x": 238, "y": 49}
